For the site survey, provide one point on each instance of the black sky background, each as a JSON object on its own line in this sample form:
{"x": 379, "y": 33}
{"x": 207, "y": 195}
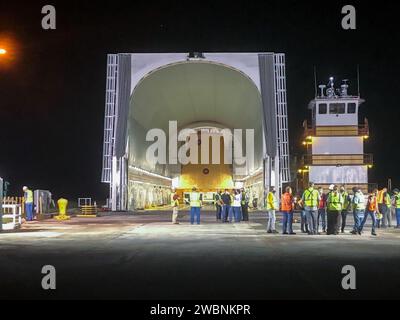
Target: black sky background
{"x": 52, "y": 83}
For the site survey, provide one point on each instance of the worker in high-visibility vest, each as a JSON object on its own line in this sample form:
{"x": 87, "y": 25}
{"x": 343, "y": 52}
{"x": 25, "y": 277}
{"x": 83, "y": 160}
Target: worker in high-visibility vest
{"x": 358, "y": 204}
{"x": 396, "y": 199}
{"x": 371, "y": 210}
{"x": 195, "y": 205}
{"x": 345, "y": 209}
{"x": 384, "y": 207}
{"x": 28, "y": 198}
{"x": 272, "y": 205}
{"x": 287, "y": 207}
{"x": 335, "y": 203}
{"x": 322, "y": 209}
{"x": 311, "y": 200}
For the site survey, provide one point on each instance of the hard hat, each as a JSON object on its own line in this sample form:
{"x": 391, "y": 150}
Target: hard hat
{"x": 396, "y": 190}
{"x": 331, "y": 187}
{"x": 25, "y": 188}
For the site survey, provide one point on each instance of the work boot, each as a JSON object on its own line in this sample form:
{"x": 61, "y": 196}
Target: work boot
{"x": 293, "y": 233}
{"x": 269, "y": 231}
{"x": 373, "y": 234}
{"x": 274, "y": 231}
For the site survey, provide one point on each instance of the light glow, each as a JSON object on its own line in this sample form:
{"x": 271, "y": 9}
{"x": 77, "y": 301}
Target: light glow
{"x": 149, "y": 173}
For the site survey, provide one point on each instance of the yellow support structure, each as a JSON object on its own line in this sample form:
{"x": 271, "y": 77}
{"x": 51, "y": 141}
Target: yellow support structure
{"x": 88, "y": 212}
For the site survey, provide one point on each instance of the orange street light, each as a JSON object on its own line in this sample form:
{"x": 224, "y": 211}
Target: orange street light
{"x": 3, "y": 51}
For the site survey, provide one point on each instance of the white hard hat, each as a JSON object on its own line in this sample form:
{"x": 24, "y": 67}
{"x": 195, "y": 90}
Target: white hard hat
{"x": 25, "y": 188}
{"x": 331, "y": 187}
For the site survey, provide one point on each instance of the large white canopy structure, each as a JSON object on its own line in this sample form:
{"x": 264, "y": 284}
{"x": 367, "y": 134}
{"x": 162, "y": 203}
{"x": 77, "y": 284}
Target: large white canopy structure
{"x": 221, "y": 90}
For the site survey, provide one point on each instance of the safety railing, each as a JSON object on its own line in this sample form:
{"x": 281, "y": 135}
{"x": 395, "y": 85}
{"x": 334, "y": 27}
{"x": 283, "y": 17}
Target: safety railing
{"x": 14, "y": 213}
{"x": 361, "y": 130}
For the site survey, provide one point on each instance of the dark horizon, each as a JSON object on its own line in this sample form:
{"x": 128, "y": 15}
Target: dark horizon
{"x": 52, "y": 84}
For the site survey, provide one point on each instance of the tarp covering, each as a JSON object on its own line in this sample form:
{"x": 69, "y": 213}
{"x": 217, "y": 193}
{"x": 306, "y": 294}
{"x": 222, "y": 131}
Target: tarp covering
{"x": 123, "y": 102}
{"x": 266, "y": 64}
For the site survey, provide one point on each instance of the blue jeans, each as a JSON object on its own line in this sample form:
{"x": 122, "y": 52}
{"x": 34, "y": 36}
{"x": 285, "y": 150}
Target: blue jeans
{"x": 287, "y": 223}
{"x": 29, "y": 211}
{"x": 358, "y": 218}
{"x": 373, "y": 218}
{"x": 195, "y": 212}
{"x": 322, "y": 215}
{"x": 398, "y": 217}
{"x": 303, "y": 220}
{"x": 311, "y": 220}
{"x": 225, "y": 212}
{"x": 236, "y": 213}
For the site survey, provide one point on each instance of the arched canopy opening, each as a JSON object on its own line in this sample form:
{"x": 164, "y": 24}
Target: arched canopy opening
{"x": 193, "y": 93}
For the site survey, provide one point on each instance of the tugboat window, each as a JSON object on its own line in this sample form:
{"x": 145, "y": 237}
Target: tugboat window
{"x": 351, "y": 108}
{"x": 323, "y": 108}
{"x": 337, "y": 108}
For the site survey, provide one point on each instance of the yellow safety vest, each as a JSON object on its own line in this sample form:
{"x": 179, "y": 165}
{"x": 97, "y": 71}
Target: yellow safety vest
{"x": 195, "y": 199}
{"x": 174, "y": 203}
{"x": 335, "y": 201}
{"x": 397, "y": 201}
{"x": 380, "y": 197}
{"x": 28, "y": 196}
{"x": 388, "y": 200}
{"x": 311, "y": 197}
{"x": 272, "y": 202}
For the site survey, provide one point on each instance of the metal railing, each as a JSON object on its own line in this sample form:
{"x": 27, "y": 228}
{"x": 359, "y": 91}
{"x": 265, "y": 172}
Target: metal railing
{"x": 313, "y": 131}
{"x": 15, "y": 215}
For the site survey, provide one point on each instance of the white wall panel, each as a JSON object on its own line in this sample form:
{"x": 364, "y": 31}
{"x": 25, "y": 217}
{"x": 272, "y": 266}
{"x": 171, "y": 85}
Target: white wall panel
{"x": 339, "y": 175}
{"x": 338, "y": 145}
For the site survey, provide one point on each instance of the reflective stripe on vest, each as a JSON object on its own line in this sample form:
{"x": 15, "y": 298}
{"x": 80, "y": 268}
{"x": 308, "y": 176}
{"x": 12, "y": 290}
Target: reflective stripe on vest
{"x": 311, "y": 199}
{"x": 335, "y": 201}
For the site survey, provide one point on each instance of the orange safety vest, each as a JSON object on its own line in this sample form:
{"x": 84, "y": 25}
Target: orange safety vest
{"x": 372, "y": 204}
{"x": 287, "y": 202}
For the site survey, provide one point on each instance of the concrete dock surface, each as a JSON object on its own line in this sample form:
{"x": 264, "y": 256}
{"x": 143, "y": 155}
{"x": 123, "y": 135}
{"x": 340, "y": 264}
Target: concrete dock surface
{"x": 144, "y": 256}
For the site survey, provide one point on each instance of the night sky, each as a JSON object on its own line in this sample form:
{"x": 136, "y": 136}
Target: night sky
{"x": 52, "y": 83}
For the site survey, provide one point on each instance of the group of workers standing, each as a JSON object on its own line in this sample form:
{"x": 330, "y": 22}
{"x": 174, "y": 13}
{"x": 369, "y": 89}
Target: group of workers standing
{"x": 229, "y": 207}
{"x": 317, "y": 209}
{"x": 332, "y": 209}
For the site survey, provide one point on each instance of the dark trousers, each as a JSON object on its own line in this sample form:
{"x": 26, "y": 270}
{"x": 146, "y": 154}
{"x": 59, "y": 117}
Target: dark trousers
{"x": 225, "y": 212}
{"x": 195, "y": 215}
{"x": 237, "y": 215}
{"x": 303, "y": 220}
{"x": 287, "y": 222}
{"x": 386, "y": 215}
{"x": 219, "y": 211}
{"x": 245, "y": 212}
{"x": 398, "y": 217}
{"x": 373, "y": 218}
{"x": 344, "y": 218}
{"x": 333, "y": 222}
{"x": 321, "y": 217}
{"x": 29, "y": 211}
